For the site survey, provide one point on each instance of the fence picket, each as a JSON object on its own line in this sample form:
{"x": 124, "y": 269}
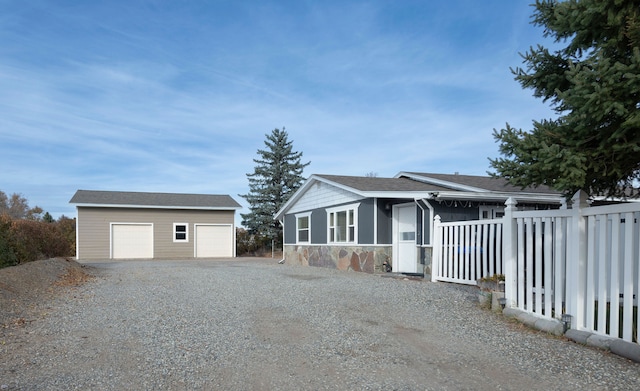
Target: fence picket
{"x": 498, "y": 258}
{"x": 548, "y": 267}
{"x": 590, "y": 281}
{"x": 521, "y": 263}
{"x": 614, "y": 276}
{"x": 559, "y": 264}
{"x": 467, "y": 253}
{"x": 538, "y": 266}
{"x": 627, "y": 298}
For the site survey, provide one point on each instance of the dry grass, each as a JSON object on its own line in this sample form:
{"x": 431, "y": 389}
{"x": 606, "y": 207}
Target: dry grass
{"x": 74, "y": 276}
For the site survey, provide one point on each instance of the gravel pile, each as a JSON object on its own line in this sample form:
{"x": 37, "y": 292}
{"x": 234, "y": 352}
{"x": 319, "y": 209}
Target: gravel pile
{"x": 253, "y": 324}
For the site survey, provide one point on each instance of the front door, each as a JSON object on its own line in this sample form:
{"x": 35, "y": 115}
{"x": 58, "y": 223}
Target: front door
{"x": 404, "y": 242}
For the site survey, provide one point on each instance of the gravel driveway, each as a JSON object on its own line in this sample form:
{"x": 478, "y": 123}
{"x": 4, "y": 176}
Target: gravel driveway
{"x": 248, "y": 324}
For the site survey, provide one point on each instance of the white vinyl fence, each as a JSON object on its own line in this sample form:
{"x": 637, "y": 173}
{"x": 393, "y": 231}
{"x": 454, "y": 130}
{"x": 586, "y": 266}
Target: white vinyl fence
{"x": 468, "y": 250}
{"x": 583, "y": 261}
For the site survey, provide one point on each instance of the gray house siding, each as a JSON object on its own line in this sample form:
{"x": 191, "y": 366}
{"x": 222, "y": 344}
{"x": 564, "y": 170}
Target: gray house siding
{"x": 319, "y": 226}
{"x": 290, "y": 229}
{"x": 365, "y": 222}
{"x": 94, "y": 225}
{"x": 384, "y": 221}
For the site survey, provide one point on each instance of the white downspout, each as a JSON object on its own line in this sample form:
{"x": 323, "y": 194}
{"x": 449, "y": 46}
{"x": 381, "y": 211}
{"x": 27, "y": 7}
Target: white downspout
{"x": 431, "y": 210}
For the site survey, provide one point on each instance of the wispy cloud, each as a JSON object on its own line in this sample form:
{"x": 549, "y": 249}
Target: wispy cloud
{"x": 178, "y": 97}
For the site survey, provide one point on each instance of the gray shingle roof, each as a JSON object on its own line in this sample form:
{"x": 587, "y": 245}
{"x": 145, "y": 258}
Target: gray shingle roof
{"x": 127, "y": 198}
{"x": 381, "y": 184}
{"x": 485, "y": 182}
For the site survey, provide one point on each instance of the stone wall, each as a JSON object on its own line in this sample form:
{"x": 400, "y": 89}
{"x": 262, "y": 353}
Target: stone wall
{"x": 366, "y": 259}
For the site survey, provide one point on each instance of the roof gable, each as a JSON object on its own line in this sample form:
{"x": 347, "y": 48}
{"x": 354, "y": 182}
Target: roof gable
{"x": 153, "y": 200}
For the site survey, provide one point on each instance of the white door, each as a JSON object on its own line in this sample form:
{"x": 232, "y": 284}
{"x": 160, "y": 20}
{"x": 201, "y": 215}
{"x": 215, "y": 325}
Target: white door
{"x": 213, "y": 241}
{"x": 405, "y": 257}
{"x": 131, "y": 241}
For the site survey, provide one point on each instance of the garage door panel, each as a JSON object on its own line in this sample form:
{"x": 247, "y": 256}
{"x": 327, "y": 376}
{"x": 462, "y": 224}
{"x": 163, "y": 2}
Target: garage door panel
{"x": 213, "y": 241}
{"x": 132, "y": 241}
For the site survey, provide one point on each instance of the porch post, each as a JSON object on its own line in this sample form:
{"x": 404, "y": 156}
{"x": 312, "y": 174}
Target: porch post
{"x": 576, "y": 260}
{"x": 436, "y": 249}
{"x": 510, "y": 254}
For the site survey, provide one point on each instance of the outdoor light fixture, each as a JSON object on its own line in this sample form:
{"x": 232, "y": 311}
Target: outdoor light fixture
{"x": 566, "y": 322}
{"x": 502, "y": 301}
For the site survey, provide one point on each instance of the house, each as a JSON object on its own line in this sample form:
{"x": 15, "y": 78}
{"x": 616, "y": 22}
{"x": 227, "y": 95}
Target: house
{"x": 358, "y": 223}
{"x": 126, "y": 225}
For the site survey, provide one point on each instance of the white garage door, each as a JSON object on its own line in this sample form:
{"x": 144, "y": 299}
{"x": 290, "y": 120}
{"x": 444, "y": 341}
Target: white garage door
{"x": 214, "y": 241}
{"x": 131, "y": 241}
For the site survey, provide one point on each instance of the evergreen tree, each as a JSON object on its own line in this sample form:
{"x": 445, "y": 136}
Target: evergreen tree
{"x": 593, "y": 84}
{"x": 276, "y": 177}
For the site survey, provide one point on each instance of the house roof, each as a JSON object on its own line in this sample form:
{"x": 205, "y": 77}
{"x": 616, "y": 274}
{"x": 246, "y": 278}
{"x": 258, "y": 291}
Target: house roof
{"x": 474, "y": 182}
{"x": 414, "y": 185}
{"x": 153, "y": 200}
{"x": 369, "y": 184}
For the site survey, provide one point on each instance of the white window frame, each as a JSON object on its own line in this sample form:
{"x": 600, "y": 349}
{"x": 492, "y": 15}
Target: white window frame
{"x": 332, "y": 232}
{"x": 298, "y": 229}
{"x": 186, "y": 233}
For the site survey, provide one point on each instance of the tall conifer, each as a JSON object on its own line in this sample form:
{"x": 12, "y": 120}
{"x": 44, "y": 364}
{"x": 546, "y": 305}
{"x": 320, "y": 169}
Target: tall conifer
{"x": 277, "y": 175}
{"x": 593, "y": 84}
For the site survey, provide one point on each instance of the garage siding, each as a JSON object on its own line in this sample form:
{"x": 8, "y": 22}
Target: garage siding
{"x": 93, "y": 229}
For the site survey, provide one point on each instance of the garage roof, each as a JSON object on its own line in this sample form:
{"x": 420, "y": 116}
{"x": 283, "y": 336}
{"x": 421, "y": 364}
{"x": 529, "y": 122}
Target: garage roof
{"x": 129, "y": 199}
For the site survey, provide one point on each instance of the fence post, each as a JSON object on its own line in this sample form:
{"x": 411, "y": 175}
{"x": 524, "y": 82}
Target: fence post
{"x": 576, "y": 260}
{"x": 509, "y": 252}
{"x": 436, "y": 249}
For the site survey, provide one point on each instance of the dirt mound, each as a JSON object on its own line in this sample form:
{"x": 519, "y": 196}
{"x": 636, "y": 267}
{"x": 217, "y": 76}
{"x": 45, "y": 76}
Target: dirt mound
{"x": 24, "y": 287}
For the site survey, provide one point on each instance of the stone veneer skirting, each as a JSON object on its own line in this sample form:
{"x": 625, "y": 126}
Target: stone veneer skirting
{"x": 366, "y": 259}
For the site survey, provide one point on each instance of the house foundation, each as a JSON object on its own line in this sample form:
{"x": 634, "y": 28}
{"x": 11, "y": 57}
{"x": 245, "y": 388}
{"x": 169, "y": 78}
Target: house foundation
{"x": 368, "y": 259}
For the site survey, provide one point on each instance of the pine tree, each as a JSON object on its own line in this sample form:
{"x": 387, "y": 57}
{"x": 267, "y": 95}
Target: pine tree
{"x": 593, "y": 84}
{"x": 276, "y": 177}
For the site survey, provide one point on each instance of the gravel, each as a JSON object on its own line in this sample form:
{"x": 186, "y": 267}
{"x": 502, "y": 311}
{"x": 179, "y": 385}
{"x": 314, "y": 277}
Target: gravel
{"x": 247, "y": 324}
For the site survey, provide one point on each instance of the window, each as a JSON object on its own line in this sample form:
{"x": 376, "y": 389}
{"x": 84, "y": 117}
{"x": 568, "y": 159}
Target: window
{"x": 342, "y": 224}
{"x": 180, "y": 232}
{"x": 303, "y": 227}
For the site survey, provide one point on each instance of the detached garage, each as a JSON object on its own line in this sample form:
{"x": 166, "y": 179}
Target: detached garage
{"x": 134, "y": 225}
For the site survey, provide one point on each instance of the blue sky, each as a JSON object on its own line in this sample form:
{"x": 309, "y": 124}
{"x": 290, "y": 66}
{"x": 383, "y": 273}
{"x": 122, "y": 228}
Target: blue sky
{"x": 177, "y": 96}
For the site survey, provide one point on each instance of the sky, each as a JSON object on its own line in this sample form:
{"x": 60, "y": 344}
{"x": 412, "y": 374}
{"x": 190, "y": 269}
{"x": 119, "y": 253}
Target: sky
{"x": 178, "y": 96}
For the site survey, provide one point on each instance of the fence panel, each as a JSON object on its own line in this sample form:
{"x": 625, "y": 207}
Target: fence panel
{"x": 466, "y": 251}
{"x": 612, "y": 271}
{"x": 583, "y": 261}
{"x": 540, "y": 261}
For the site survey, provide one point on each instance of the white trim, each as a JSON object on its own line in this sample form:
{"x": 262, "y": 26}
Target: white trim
{"x": 130, "y": 206}
{"x": 78, "y": 234}
{"x": 428, "y": 219}
{"x": 298, "y": 216}
{"x": 186, "y": 239}
{"x": 375, "y": 220}
{"x": 344, "y": 208}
